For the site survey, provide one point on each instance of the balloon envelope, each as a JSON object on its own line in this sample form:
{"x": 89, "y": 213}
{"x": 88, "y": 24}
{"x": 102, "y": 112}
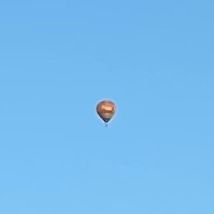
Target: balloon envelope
{"x": 106, "y": 110}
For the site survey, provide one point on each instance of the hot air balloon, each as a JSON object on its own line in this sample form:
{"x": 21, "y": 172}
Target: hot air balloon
{"x": 106, "y": 110}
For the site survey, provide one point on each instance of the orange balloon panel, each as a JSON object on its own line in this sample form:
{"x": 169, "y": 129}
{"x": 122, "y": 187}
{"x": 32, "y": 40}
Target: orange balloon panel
{"x": 106, "y": 110}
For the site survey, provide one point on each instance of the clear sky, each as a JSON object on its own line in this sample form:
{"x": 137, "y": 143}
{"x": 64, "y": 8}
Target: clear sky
{"x": 154, "y": 59}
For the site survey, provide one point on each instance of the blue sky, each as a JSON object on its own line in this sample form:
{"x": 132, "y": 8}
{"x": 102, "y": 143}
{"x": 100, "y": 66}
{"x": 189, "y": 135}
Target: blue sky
{"x": 154, "y": 59}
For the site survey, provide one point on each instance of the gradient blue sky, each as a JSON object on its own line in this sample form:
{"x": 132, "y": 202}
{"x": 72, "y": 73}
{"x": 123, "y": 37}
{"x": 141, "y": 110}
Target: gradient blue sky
{"x": 154, "y": 59}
